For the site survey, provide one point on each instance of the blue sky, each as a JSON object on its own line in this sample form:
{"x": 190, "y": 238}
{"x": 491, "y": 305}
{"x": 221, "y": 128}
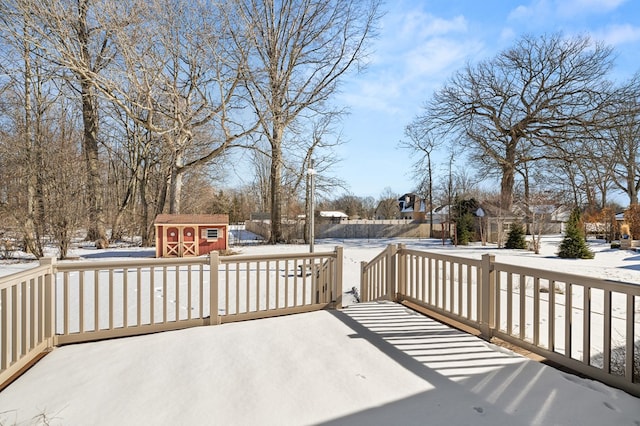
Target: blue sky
{"x": 421, "y": 43}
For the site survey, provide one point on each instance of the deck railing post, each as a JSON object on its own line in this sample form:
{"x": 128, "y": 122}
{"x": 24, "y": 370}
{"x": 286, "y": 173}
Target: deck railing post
{"x": 402, "y": 272}
{"x": 49, "y": 301}
{"x": 214, "y": 263}
{"x": 487, "y": 296}
{"x": 364, "y": 282}
{"x": 390, "y": 278}
{"x": 338, "y": 277}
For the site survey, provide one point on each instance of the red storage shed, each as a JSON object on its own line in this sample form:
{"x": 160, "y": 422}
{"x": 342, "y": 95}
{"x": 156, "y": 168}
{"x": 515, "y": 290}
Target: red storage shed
{"x": 180, "y": 235}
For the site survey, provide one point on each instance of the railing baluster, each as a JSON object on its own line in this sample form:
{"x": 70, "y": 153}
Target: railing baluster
{"x": 257, "y": 285}
{"x": 165, "y": 296}
{"x": 111, "y": 301}
{"x": 238, "y": 288}
{"x": 201, "y": 292}
{"x": 460, "y": 287}
{"x": 24, "y": 320}
{"x": 65, "y": 303}
{"x": 307, "y": 265}
{"x": 5, "y": 359}
{"x": 452, "y": 286}
{"x": 138, "y": 297}
{"x": 125, "y": 298}
{"x": 96, "y": 301}
{"x": 177, "y": 294}
{"x": 277, "y": 284}
{"x": 286, "y": 283}
{"x": 510, "y": 303}
{"x": 536, "y": 311}
{"x": 226, "y": 288}
{"x": 189, "y": 292}
{"x": 552, "y": 316}
{"x": 606, "y": 351}
{"x": 152, "y": 295}
{"x": 568, "y": 312}
{"x": 81, "y": 301}
{"x": 33, "y": 313}
{"x": 247, "y": 287}
{"x": 436, "y": 302}
{"x": 586, "y": 324}
{"x": 523, "y": 306}
{"x": 15, "y": 324}
{"x": 630, "y": 343}
{"x": 268, "y": 285}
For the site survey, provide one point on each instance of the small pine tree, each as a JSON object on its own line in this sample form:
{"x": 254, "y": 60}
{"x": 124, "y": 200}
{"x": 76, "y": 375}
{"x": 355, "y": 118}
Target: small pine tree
{"x": 574, "y": 245}
{"x": 463, "y": 217}
{"x": 464, "y": 229}
{"x": 516, "y": 239}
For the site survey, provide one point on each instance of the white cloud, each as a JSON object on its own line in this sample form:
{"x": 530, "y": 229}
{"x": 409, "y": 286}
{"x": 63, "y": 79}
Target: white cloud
{"x": 415, "y": 52}
{"x": 568, "y": 8}
{"x": 535, "y": 11}
{"x": 439, "y": 55}
{"x": 507, "y": 34}
{"x": 410, "y": 76}
{"x": 538, "y": 10}
{"x": 418, "y": 25}
{"x": 619, "y": 34}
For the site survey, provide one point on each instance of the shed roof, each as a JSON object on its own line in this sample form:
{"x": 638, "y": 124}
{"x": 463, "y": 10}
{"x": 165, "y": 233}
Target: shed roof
{"x": 334, "y": 214}
{"x": 192, "y": 219}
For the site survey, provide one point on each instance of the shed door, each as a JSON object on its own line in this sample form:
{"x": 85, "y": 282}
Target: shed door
{"x": 189, "y": 241}
{"x": 172, "y": 246}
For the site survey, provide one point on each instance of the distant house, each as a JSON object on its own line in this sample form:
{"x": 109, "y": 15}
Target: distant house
{"x": 181, "y": 235}
{"x": 387, "y": 209}
{"x": 412, "y": 207}
{"x": 334, "y": 216}
{"x": 550, "y": 218}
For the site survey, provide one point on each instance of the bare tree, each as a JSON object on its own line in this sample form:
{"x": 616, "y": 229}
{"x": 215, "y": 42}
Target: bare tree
{"x": 298, "y": 51}
{"x": 313, "y": 148}
{"x": 523, "y": 104}
{"x": 623, "y": 141}
{"x": 387, "y": 204}
{"x": 26, "y": 101}
{"x": 182, "y": 83}
{"x": 540, "y": 209}
{"x": 76, "y": 38}
{"x": 422, "y": 142}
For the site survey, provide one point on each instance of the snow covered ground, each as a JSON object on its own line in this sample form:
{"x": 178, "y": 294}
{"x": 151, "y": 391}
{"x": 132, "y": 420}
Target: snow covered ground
{"x": 376, "y": 363}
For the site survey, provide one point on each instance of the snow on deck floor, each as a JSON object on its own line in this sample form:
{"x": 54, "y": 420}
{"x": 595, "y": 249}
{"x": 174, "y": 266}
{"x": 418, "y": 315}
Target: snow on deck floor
{"x": 372, "y": 363}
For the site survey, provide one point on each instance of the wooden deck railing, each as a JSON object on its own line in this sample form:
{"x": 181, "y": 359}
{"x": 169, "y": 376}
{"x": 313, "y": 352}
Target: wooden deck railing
{"x": 27, "y": 318}
{"x": 589, "y": 325}
{"x": 72, "y": 302}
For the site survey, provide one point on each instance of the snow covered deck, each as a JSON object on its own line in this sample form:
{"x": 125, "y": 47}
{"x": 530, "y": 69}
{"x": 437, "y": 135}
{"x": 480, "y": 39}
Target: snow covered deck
{"x": 371, "y": 363}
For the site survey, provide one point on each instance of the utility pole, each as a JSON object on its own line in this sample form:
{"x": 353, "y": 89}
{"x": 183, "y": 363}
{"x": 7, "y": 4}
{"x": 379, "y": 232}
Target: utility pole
{"x": 310, "y": 214}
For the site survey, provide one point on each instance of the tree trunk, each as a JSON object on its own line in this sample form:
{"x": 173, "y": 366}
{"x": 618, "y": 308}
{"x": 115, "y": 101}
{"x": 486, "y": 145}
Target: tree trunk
{"x": 276, "y": 194}
{"x": 175, "y": 184}
{"x": 96, "y": 231}
{"x": 430, "y": 195}
{"x": 144, "y": 225}
{"x": 508, "y": 176}
{"x": 506, "y": 187}
{"x": 307, "y": 205}
{"x": 31, "y": 238}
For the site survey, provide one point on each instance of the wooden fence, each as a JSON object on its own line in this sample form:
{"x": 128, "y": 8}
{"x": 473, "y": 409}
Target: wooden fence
{"x": 72, "y": 302}
{"x": 589, "y": 325}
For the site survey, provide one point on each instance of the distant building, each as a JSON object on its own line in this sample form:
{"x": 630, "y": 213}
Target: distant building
{"x": 412, "y": 207}
{"x": 334, "y": 216}
{"x": 181, "y": 235}
{"x": 387, "y": 209}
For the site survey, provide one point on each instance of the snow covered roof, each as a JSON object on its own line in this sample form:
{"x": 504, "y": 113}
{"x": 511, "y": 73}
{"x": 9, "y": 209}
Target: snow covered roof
{"x": 192, "y": 219}
{"x": 333, "y": 214}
